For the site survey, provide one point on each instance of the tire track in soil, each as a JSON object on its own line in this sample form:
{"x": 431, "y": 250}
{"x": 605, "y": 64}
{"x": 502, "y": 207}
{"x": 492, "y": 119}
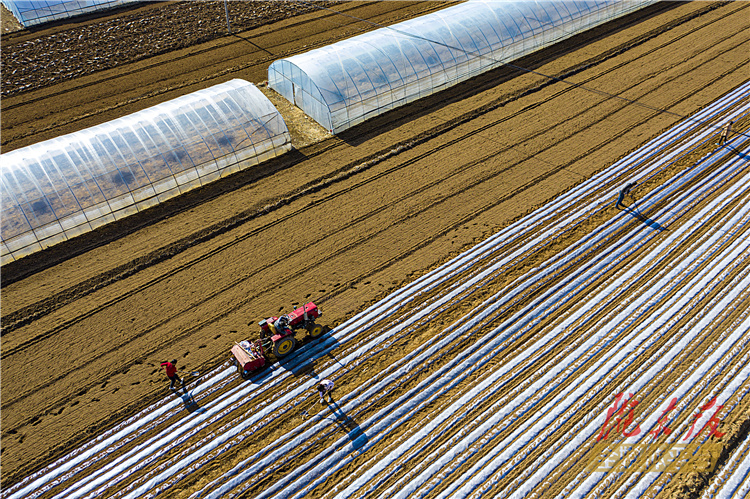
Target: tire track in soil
{"x": 313, "y": 264}
{"x": 651, "y": 401}
{"x": 543, "y": 58}
{"x": 31, "y": 313}
{"x": 560, "y": 432}
{"x": 225, "y": 69}
{"x": 309, "y": 449}
{"x": 247, "y": 300}
{"x": 697, "y": 342}
{"x": 222, "y": 43}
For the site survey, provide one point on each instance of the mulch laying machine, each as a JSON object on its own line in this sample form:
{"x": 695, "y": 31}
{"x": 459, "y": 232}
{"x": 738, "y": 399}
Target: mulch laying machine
{"x": 276, "y": 335}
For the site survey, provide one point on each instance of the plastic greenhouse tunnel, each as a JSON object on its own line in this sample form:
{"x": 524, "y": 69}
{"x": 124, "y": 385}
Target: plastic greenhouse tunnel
{"x": 63, "y": 187}
{"x": 351, "y": 81}
{"x": 33, "y": 12}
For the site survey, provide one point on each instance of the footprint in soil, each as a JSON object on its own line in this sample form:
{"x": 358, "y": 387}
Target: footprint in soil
{"x": 135, "y": 383}
{"x": 217, "y": 336}
{"x": 116, "y": 390}
{"x": 185, "y": 354}
{"x": 201, "y": 346}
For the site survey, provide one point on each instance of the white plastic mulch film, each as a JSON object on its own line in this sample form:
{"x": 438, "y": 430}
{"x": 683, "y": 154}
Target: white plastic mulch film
{"x": 63, "y": 187}
{"x": 351, "y": 81}
{"x": 33, "y": 12}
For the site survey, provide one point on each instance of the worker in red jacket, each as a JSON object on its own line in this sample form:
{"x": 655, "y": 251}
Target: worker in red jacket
{"x": 171, "y": 368}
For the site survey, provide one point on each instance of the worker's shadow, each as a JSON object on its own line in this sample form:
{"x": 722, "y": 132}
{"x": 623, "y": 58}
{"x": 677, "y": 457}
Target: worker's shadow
{"x": 190, "y": 404}
{"x": 346, "y": 423}
{"x": 739, "y": 153}
{"x": 638, "y": 215}
{"x": 302, "y": 362}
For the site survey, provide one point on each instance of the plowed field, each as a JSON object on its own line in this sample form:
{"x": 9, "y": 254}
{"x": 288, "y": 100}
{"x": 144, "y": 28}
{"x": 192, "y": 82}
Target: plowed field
{"x": 509, "y": 300}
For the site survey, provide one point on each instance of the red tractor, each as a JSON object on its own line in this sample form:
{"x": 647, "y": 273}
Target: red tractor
{"x": 277, "y": 335}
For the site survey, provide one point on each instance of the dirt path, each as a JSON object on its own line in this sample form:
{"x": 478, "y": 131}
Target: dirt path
{"x": 341, "y": 222}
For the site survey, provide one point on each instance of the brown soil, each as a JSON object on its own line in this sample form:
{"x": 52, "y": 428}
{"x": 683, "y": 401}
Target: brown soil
{"x": 342, "y": 221}
{"x": 107, "y": 40}
{"x": 8, "y": 23}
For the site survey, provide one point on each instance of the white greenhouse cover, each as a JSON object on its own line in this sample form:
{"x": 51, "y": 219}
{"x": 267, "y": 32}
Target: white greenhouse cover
{"x": 63, "y": 187}
{"x": 33, "y": 12}
{"x": 351, "y": 81}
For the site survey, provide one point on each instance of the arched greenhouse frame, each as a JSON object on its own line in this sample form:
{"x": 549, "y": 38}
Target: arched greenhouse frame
{"x": 34, "y": 12}
{"x": 64, "y": 187}
{"x": 346, "y": 83}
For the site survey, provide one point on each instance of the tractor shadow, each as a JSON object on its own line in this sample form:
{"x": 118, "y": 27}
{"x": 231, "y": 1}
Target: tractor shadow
{"x": 302, "y": 363}
{"x": 354, "y": 432}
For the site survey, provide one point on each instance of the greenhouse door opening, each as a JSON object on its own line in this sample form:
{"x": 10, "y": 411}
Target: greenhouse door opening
{"x": 298, "y": 100}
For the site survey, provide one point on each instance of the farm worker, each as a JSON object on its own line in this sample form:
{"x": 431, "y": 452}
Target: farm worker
{"x": 281, "y": 324}
{"x": 725, "y": 133}
{"x": 624, "y": 192}
{"x": 171, "y": 368}
{"x": 325, "y": 387}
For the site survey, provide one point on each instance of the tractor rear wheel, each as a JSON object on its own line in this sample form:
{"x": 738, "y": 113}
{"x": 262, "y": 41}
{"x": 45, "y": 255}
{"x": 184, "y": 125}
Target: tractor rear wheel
{"x": 315, "y": 330}
{"x": 284, "y": 346}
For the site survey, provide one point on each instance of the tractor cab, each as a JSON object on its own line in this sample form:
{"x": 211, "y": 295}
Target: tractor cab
{"x": 276, "y": 335}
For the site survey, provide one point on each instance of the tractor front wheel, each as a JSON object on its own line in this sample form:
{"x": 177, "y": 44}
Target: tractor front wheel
{"x": 315, "y": 330}
{"x": 284, "y": 346}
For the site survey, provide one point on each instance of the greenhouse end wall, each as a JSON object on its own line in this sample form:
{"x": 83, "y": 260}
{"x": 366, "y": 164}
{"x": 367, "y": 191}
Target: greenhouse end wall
{"x": 63, "y": 187}
{"x": 348, "y": 82}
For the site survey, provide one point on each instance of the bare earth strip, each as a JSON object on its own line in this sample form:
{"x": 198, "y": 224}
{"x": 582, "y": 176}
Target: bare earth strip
{"x": 342, "y": 222}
